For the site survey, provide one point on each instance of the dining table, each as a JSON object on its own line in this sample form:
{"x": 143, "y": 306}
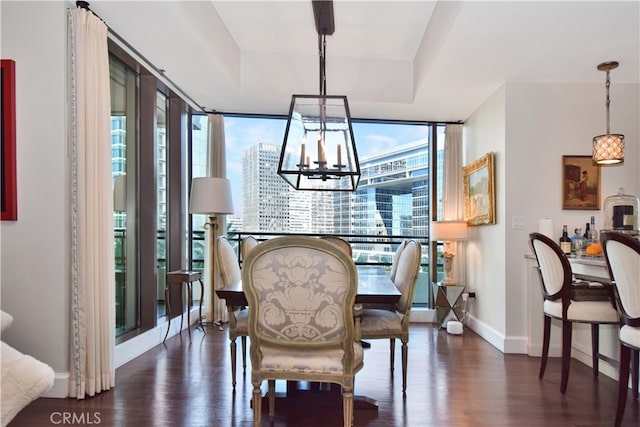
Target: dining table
{"x": 374, "y": 288}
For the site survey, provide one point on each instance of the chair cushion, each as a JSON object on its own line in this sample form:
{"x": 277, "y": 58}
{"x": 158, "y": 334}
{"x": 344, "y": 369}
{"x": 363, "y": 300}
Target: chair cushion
{"x": 630, "y": 336}
{"x": 326, "y": 362}
{"x": 584, "y": 311}
{"x": 380, "y": 323}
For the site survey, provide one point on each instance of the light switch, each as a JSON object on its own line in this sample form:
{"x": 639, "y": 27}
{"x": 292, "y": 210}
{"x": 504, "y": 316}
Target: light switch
{"x": 518, "y": 223}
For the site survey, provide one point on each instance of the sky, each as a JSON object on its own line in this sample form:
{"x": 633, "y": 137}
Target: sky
{"x": 243, "y": 132}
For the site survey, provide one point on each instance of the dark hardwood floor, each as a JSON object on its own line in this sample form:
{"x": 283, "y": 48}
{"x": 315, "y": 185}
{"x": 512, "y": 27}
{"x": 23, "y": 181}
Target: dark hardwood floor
{"x": 453, "y": 381}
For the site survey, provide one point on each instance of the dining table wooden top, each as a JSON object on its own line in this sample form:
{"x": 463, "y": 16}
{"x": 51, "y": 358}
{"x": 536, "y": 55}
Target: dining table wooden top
{"x": 374, "y": 287}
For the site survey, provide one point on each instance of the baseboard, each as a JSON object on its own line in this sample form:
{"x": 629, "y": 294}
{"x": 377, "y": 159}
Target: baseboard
{"x": 60, "y": 388}
{"x": 422, "y": 315}
{"x": 506, "y": 344}
{"x": 134, "y": 347}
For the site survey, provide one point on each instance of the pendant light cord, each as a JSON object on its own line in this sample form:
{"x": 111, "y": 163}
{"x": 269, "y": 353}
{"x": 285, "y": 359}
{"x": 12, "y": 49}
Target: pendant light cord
{"x": 607, "y": 84}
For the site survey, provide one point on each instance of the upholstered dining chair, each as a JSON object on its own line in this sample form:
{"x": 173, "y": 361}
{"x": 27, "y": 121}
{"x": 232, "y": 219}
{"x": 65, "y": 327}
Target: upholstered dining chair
{"x": 303, "y": 325}
{"x": 341, "y": 243}
{"x": 556, "y": 278}
{"x": 248, "y": 243}
{"x": 622, "y": 254}
{"x": 380, "y": 323}
{"x": 396, "y": 257}
{"x": 231, "y": 273}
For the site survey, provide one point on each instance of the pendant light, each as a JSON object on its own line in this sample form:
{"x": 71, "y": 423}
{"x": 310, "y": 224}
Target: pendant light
{"x": 319, "y": 150}
{"x": 608, "y": 149}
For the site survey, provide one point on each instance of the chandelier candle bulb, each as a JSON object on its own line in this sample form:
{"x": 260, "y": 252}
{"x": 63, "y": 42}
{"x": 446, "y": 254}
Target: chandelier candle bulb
{"x": 302, "y": 156}
{"x": 339, "y": 157}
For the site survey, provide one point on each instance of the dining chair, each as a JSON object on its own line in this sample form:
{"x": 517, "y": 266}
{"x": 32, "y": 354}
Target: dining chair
{"x": 340, "y": 242}
{"x": 248, "y": 243}
{"x": 231, "y": 273}
{"x": 556, "y": 279}
{"x": 303, "y": 325}
{"x": 622, "y": 255}
{"x": 381, "y": 323}
{"x": 396, "y": 257}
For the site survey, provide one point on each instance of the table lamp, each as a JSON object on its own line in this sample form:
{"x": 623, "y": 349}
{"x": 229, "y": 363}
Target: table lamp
{"x": 450, "y": 232}
{"x": 211, "y": 196}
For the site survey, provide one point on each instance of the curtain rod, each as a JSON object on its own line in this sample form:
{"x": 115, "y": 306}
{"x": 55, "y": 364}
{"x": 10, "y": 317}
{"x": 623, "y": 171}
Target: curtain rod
{"x": 160, "y": 73}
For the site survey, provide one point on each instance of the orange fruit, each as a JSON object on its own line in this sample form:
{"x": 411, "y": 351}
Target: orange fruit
{"x": 594, "y": 249}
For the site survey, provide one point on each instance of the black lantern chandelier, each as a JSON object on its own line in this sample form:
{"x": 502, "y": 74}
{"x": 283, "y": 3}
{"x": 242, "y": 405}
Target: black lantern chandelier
{"x": 319, "y": 151}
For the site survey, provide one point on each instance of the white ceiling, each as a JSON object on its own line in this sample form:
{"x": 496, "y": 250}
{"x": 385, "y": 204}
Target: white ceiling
{"x": 402, "y": 60}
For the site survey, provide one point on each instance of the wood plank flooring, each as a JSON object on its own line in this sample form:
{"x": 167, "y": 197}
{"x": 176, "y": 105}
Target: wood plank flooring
{"x": 453, "y": 381}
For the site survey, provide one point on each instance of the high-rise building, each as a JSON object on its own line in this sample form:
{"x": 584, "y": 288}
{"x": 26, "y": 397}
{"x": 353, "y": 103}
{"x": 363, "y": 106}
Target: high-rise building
{"x": 392, "y": 197}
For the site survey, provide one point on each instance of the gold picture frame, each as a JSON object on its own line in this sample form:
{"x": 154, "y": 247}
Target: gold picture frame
{"x": 479, "y": 194}
{"x": 580, "y": 183}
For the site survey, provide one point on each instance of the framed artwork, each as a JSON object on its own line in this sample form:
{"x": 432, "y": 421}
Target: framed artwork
{"x": 479, "y": 195}
{"x": 8, "y": 194}
{"x": 580, "y": 183}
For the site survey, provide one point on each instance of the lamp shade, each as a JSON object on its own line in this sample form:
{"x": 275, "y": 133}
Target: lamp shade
{"x": 211, "y": 196}
{"x": 608, "y": 149}
{"x": 448, "y": 230}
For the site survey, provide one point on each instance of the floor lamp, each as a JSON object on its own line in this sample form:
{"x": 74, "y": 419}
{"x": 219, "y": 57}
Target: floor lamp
{"x": 211, "y": 196}
{"x": 450, "y": 232}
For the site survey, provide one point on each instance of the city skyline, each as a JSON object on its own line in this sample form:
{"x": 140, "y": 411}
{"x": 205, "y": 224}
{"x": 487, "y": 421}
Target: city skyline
{"x": 243, "y": 132}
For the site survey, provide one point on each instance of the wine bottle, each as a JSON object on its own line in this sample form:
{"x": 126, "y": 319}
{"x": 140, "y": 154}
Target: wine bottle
{"x": 565, "y": 241}
{"x": 587, "y": 232}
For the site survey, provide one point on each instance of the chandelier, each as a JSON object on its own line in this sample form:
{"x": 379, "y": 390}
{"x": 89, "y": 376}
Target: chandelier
{"x": 319, "y": 151}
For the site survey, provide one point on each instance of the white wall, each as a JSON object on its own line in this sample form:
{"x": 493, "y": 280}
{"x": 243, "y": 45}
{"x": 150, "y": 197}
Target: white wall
{"x": 34, "y": 275}
{"x": 540, "y": 124}
{"x": 485, "y": 132}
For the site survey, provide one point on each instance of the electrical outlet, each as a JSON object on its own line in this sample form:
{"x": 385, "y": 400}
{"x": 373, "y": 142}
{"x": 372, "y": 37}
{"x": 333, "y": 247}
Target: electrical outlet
{"x": 472, "y": 294}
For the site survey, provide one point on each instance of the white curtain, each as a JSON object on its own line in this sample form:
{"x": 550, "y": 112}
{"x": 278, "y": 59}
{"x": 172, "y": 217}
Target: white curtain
{"x": 216, "y": 167}
{"x": 452, "y": 191}
{"x": 92, "y": 253}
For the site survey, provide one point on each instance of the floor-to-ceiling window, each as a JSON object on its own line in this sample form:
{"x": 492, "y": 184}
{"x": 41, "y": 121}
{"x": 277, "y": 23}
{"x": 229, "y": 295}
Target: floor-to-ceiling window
{"x": 392, "y": 198}
{"x": 149, "y": 158}
{"x": 124, "y": 103}
{"x": 161, "y": 198}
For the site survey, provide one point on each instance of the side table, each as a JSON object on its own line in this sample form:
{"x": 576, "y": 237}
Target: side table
{"x": 179, "y": 277}
{"x": 447, "y": 302}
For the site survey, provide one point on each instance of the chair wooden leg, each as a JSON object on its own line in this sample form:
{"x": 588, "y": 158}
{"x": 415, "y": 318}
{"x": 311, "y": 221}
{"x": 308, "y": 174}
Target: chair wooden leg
{"x": 595, "y": 348}
{"x": 545, "y": 345}
{"x": 244, "y": 354}
{"x": 232, "y": 345}
{"x": 566, "y": 354}
{"x": 623, "y": 382}
{"x": 405, "y": 354}
{"x": 635, "y": 354}
{"x": 347, "y": 406}
{"x": 257, "y": 404}
{"x": 392, "y": 352}
{"x": 272, "y": 398}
